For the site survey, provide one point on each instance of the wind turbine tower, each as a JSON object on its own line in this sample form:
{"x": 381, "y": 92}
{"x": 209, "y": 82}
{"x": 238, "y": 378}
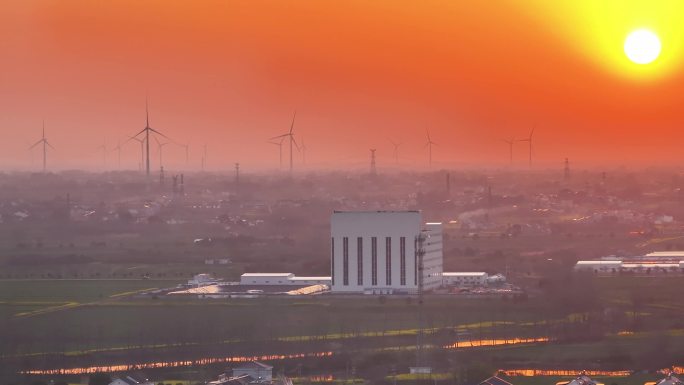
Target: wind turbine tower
{"x": 396, "y": 150}
{"x": 429, "y": 145}
{"x": 303, "y": 147}
{"x": 280, "y": 150}
{"x": 529, "y": 141}
{"x": 160, "y": 148}
{"x": 45, "y": 144}
{"x": 103, "y": 148}
{"x": 187, "y": 153}
{"x": 204, "y": 156}
{"x": 290, "y": 135}
{"x": 118, "y": 151}
{"x": 373, "y": 170}
{"x": 142, "y": 150}
{"x": 566, "y": 171}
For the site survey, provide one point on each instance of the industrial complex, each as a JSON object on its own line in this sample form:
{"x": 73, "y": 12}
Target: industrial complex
{"x": 371, "y": 252}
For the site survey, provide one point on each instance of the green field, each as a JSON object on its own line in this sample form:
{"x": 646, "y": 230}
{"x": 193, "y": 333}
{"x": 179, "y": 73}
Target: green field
{"x": 632, "y": 323}
{"x": 76, "y": 290}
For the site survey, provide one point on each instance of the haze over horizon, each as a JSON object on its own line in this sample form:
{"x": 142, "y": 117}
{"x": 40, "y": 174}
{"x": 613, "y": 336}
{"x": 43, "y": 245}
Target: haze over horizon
{"x": 231, "y": 74}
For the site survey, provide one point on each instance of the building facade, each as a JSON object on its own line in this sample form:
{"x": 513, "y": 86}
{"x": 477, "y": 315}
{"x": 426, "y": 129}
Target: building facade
{"x": 377, "y": 252}
{"x": 465, "y": 278}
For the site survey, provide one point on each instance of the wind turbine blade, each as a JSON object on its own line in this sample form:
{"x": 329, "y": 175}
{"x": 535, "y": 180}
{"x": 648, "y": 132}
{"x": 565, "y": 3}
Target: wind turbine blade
{"x": 159, "y": 133}
{"x": 293, "y": 120}
{"x": 279, "y": 136}
{"x": 48, "y": 143}
{"x": 295, "y": 143}
{"x": 37, "y": 143}
{"x": 133, "y": 138}
{"x": 147, "y": 113}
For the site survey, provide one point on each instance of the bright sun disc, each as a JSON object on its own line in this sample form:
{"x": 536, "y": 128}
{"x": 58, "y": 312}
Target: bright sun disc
{"x": 642, "y": 46}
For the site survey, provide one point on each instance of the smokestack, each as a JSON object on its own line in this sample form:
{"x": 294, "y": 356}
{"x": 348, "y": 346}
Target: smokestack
{"x": 448, "y": 184}
{"x": 373, "y": 170}
{"x": 566, "y": 172}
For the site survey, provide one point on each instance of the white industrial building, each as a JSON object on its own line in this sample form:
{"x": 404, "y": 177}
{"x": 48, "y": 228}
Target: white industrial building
{"x": 474, "y": 278}
{"x": 613, "y": 266}
{"x": 281, "y": 279}
{"x": 377, "y": 252}
{"x": 464, "y": 279}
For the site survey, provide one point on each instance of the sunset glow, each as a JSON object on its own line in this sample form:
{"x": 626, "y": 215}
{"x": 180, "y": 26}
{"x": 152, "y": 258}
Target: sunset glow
{"x": 214, "y": 70}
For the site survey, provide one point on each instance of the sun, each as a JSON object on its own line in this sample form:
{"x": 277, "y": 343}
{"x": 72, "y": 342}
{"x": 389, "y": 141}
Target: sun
{"x": 642, "y": 46}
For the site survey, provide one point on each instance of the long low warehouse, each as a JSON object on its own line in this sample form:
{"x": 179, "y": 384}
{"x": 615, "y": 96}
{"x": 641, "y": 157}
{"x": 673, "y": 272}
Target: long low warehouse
{"x": 281, "y": 279}
{"x": 641, "y": 266}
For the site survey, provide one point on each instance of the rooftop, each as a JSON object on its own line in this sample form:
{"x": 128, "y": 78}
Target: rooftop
{"x": 666, "y": 254}
{"x": 266, "y": 274}
{"x": 310, "y": 278}
{"x": 616, "y": 262}
{"x": 376, "y": 211}
{"x": 464, "y": 274}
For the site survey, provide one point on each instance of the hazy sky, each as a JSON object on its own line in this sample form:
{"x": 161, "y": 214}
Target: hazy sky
{"x": 231, "y": 73}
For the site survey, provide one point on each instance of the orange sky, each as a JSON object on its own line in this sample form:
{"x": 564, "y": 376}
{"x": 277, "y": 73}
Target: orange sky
{"x": 231, "y": 73}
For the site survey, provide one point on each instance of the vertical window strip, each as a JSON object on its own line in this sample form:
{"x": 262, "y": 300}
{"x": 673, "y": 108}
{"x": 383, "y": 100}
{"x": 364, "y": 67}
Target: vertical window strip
{"x": 388, "y": 261}
{"x": 374, "y": 261}
{"x": 359, "y": 261}
{"x": 345, "y": 261}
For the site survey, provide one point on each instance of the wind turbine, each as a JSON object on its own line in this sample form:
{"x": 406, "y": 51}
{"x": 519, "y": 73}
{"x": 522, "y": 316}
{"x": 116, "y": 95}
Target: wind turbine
{"x": 118, "y": 151}
{"x": 160, "y": 148}
{"x": 187, "y": 152}
{"x": 510, "y": 148}
{"x": 103, "y": 148}
{"x": 142, "y": 149}
{"x": 290, "y": 135}
{"x": 204, "y": 156}
{"x": 529, "y": 140}
{"x": 429, "y": 145}
{"x": 45, "y": 144}
{"x": 146, "y": 133}
{"x": 280, "y": 150}
{"x": 303, "y": 147}
{"x": 396, "y": 150}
